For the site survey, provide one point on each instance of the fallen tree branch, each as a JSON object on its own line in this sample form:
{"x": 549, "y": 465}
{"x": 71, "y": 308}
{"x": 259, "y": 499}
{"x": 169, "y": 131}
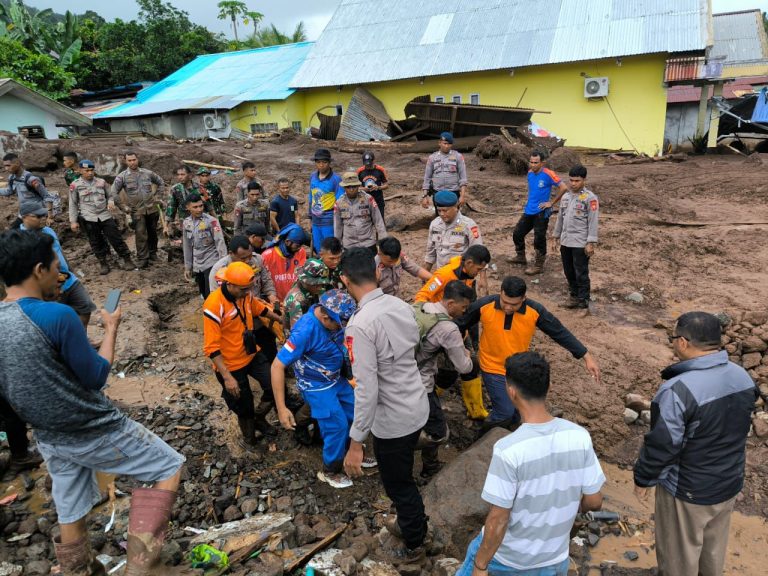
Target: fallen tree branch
{"x": 304, "y": 558}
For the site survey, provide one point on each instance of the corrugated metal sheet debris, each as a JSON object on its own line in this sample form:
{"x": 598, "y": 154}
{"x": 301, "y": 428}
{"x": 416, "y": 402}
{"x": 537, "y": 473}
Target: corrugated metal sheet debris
{"x": 380, "y": 40}
{"x": 739, "y": 36}
{"x": 365, "y": 118}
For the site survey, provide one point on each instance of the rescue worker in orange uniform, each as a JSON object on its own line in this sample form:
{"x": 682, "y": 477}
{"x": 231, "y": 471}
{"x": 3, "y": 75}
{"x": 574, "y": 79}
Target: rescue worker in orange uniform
{"x": 465, "y": 268}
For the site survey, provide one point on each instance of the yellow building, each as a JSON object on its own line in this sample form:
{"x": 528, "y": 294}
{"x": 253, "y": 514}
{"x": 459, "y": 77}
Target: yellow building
{"x": 512, "y": 53}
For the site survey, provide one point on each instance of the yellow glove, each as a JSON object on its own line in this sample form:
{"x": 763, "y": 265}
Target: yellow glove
{"x": 439, "y": 391}
{"x": 472, "y": 394}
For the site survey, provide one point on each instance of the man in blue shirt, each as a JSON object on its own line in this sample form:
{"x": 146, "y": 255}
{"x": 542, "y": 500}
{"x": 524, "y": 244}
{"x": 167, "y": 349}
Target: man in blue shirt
{"x": 284, "y": 208}
{"x": 316, "y": 348}
{"x": 537, "y": 211}
{"x": 53, "y": 378}
{"x": 72, "y": 292}
{"x": 324, "y": 189}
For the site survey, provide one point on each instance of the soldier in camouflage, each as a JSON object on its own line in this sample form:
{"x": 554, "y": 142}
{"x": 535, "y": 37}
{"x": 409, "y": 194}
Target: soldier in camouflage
{"x": 213, "y": 198}
{"x": 330, "y": 254}
{"x": 312, "y": 280}
{"x": 176, "y": 205}
{"x": 69, "y": 159}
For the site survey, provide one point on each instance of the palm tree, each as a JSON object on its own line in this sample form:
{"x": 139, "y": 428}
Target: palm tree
{"x": 255, "y": 18}
{"x": 272, "y": 36}
{"x": 232, "y": 9}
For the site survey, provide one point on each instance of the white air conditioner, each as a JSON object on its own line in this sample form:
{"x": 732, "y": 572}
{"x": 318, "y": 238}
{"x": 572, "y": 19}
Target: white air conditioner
{"x": 595, "y": 87}
{"x": 214, "y": 122}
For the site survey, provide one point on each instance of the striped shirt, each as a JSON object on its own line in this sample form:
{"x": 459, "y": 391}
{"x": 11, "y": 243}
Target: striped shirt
{"x": 540, "y": 472}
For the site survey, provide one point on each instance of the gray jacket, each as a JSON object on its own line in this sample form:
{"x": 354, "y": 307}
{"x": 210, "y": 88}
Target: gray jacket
{"x": 445, "y": 335}
{"x": 444, "y": 241}
{"x": 140, "y": 197}
{"x": 36, "y": 191}
{"x": 389, "y": 277}
{"x": 576, "y": 224}
{"x": 89, "y": 200}
{"x": 358, "y": 222}
{"x": 390, "y": 399}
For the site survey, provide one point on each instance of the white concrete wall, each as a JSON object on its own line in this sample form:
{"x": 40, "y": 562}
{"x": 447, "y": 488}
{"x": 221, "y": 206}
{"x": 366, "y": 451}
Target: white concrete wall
{"x": 15, "y": 112}
{"x": 173, "y": 125}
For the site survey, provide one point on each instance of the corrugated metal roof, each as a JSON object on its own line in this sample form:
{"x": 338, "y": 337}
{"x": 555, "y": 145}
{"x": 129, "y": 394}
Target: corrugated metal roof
{"x": 379, "y": 40}
{"x": 64, "y": 114}
{"x": 220, "y": 81}
{"x": 739, "y": 36}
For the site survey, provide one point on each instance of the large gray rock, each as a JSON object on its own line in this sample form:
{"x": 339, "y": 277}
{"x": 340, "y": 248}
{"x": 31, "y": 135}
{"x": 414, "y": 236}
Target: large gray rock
{"x": 452, "y": 500}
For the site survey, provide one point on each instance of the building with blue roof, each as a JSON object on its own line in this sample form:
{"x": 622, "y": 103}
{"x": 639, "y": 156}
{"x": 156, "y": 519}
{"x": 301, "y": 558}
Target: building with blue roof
{"x": 247, "y": 90}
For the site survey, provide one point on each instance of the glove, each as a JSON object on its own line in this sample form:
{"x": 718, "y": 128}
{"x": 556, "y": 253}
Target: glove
{"x": 472, "y": 394}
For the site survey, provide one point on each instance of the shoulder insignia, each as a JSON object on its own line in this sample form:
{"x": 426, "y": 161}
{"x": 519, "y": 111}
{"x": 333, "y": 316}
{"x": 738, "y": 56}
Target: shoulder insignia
{"x": 348, "y": 341}
{"x": 593, "y": 205}
{"x": 475, "y": 232}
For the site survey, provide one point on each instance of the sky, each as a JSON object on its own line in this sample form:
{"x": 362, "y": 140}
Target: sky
{"x": 285, "y": 14}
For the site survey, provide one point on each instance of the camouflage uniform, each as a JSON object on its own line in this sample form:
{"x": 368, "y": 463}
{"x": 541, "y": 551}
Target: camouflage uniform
{"x": 299, "y": 298}
{"x": 70, "y": 176}
{"x": 214, "y": 199}
{"x": 176, "y": 200}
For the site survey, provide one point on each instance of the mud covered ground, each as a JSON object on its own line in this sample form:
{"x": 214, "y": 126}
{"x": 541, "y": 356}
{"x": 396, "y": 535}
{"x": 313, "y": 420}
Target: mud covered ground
{"x": 684, "y": 236}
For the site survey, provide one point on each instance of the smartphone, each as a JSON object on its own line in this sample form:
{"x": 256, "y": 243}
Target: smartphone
{"x": 113, "y": 300}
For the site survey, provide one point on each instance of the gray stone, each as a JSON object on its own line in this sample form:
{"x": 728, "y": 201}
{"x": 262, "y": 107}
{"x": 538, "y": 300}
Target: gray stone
{"x": 283, "y": 504}
{"x": 37, "y": 568}
{"x": 305, "y": 535}
{"x": 630, "y": 416}
{"x": 645, "y": 415}
{"x": 249, "y": 505}
{"x": 409, "y": 569}
{"x": 635, "y": 297}
{"x": 171, "y": 554}
{"x": 593, "y": 539}
{"x": 8, "y": 569}
{"x": 446, "y": 567}
{"x": 359, "y": 550}
{"x": 232, "y": 513}
{"x": 28, "y": 526}
{"x": 346, "y": 562}
{"x": 270, "y": 565}
{"x": 44, "y": 525}
{"x": 455, "y": 513}
{"x": 631, "y": 555}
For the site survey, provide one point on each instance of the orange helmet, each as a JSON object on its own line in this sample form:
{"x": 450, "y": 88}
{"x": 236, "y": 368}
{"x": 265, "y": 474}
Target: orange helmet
{"x": 237, "y": 274}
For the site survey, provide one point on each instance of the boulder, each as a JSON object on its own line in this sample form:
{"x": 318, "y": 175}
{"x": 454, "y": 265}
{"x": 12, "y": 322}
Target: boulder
{"x": 756, "y": 318}
{"x": 630, "y": 415}
{"x": 753, "y": 344}
{"x": 637, "y": 402}
{"x": 751, "y": 360}
{"x": 446, "y": 567}
{"x": 760, "y": 425}
{"x": 452, "y": 499}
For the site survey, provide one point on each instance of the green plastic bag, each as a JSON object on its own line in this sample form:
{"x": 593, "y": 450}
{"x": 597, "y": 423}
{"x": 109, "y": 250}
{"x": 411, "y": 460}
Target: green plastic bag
{"x": 205, "y": 557}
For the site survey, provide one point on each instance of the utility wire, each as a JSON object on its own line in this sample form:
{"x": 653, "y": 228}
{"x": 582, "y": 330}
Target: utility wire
{"x": 620, "y": 126}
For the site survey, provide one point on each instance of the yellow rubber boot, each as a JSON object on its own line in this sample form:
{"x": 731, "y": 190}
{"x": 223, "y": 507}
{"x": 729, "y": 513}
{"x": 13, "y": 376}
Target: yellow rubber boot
{"x": 472, "y": 394}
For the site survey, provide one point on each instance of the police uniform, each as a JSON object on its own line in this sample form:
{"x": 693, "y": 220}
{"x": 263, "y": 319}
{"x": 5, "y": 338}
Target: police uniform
{"x": 444, "y": 241}
{"x": 203, "y": 244}
{"x": 88, "y": 206}
{"x": 357, "y": 222}
{"x": 247, "y": 214}
{"x": 576, "y": 227}
{"x": 389, "y": 276}
{"x": 241, "y": 189}
{"x": 262, "y": 287}
{"x": 445, "y": 172}
{"x": 140, "y": 199}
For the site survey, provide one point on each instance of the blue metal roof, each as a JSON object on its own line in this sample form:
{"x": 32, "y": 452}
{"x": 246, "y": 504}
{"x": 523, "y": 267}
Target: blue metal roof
{"x": 220, "y": 81}
{"x": 379, "y": 40}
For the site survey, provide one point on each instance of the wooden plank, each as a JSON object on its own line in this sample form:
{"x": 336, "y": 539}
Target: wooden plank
{"x": 216, "y": 166}
{"x": 317, "y": 547}
{"x": 507, "y": 135}
{"x": 409, "y": 133}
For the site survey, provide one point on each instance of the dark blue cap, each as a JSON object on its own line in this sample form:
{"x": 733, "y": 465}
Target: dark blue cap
{"x": 447, "y": 136}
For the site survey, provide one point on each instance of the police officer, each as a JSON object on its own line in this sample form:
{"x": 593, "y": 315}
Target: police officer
{"x": 451, "y": 233}
{"x": 177, "y": 198}
{"x": 312, "y": 279}
{"x": 249, "y": 176}
{"x": 440, "y": 336}
{"x": 357, "y": 221}
{"x": 202, "y": 242}
{"x": 445, "y": 171}
{"x": 141, "y": 205}
{"x": 257, "y": 236}
{"x": 240, "y": 250}
{"x": 91, "y": 201}
{"x": 213, "y": 197}
{"x": 576, "y": 228}
{"x": 255, "y": 208}
{"x": 374, "y": 179}
{"x": 390, "y": 400}
{"x": 391, "y": 263}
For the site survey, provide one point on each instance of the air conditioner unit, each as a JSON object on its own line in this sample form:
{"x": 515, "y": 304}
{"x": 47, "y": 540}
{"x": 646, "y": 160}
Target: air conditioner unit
{"x": 214, "y": 122}
{"x": 595, "y": 87}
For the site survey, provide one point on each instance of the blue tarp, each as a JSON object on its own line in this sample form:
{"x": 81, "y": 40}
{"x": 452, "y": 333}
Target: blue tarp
{"x": 760, "y": 114}
{"x": 220, "y": 81}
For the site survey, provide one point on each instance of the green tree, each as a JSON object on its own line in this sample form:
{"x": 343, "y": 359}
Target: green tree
{"x": 38, "y": 71}
{"x": 254, "y": 18}
{"x": 272, "y": 36}
{"x": 232, "y": 10}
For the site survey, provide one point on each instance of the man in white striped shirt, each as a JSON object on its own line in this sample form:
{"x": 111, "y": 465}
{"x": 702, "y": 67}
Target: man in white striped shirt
{"x": 539, "y": 478}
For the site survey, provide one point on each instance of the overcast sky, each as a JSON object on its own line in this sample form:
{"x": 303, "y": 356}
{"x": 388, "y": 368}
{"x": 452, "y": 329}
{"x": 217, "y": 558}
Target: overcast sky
{"x": 284, "y": 13}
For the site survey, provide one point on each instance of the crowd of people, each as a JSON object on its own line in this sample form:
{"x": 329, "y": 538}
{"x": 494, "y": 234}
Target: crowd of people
{"x": 369, "y": 364}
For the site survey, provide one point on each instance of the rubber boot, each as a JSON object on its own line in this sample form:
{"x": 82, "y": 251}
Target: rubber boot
{"x": 77, "y": 559}
{"x": 251, "y": 436}
{"x": 261, "y": 419}
{"x": 147, "y": 527}
{"x": 472, "y": 394}
{"x": 430, "y": 463}
{"x": 519, "y": 258}
{"x": 537, "y": 267}
{"x": 104, "y": 267}
{"x": 128, "y": 264}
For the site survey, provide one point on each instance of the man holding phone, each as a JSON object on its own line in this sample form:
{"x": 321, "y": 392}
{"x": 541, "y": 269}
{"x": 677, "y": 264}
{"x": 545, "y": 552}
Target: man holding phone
{"x": 77, "y": 428}
{"x": 229, "y": 313}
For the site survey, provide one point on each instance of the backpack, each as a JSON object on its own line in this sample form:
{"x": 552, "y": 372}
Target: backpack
{"x": 54, "y": 196}
{"x": 426, "y": 321}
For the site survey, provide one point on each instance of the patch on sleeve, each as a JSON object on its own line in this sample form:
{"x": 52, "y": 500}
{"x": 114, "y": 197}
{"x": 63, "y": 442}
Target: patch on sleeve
{"x": 289, "y": 346}
{"x": 215, "y": 225}
{"x": 348, "y": 341}
{"x": 475, "y": 232}
{"x": 593, "y": 205}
